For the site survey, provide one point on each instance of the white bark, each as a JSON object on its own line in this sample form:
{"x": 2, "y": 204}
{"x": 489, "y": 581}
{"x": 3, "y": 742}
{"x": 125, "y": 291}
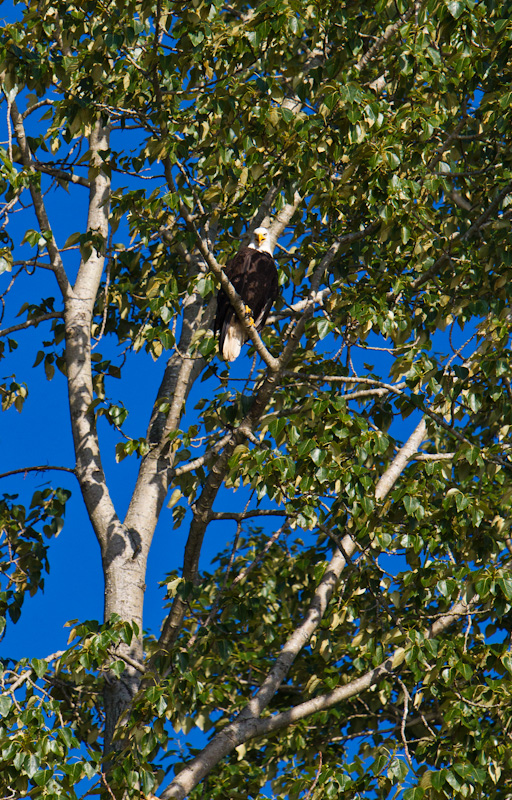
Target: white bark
{"x": 395, "y": 469}
{"x": 123, "y": 552}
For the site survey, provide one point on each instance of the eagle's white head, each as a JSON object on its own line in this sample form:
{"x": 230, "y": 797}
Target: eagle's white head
{"x": 261, "y": 241}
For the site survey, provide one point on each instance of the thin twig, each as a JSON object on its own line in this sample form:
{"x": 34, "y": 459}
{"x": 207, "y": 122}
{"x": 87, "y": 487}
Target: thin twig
{"x": 403, "y": 723}
{"x": 24, "y": 470}
{"x": 30, "y": 322}
{"x": 317, "y": 776}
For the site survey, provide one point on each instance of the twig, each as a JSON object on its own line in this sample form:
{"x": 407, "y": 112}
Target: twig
{"x": 403, "y": 723}
{"x": 245, "y": 572}
{"x": 317, "y": 776}
{"x": 130, "y": 661}
{"x": 200, "y": 460}
{"x": 239, "y": 516}
{"x": 26, "y": 675}
{"x": 22, "y": 325}
{"x": 36, "y": 469}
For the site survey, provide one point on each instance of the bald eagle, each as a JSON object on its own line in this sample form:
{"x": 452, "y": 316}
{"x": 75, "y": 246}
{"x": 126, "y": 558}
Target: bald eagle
{"x": 253, "y": 273}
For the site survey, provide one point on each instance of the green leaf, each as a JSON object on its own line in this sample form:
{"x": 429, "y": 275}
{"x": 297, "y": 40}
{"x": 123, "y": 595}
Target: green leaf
{"x": 5, "y": 704}
{"x": 456, "y": 8}
{"x": 39, "y": 666}
{"x": 317, "y": 455}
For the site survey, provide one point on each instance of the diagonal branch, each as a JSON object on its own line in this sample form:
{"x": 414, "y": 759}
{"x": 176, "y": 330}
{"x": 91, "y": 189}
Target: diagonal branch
{"x": 155, "y": 471}
{"x": 395, "y": 469}
{"x": 388, "y": 34}
{"x": 246, "y": 727}
{"x": 225, "y": 741}
{"x": 471, "y": 231}
{"x": 37, "y": 199}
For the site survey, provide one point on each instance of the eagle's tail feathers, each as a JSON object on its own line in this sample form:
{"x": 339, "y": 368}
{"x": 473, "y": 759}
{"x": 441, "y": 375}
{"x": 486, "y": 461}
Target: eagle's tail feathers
{"x": 233, "y": 341}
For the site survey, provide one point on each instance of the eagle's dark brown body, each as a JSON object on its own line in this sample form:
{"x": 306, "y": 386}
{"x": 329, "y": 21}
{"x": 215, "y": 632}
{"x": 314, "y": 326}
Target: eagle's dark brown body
{"x": 253, "y": 273}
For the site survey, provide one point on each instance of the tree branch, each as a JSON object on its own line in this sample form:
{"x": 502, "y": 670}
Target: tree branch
{"x": 242, "y": 728}
{"x": 388, "y": 34}
{"x": 239, "y": 516}
{"x": 39, "y": 207}
{"x": 395, "y": 469}
{"x": 22, "y": 325}
{"x": 24, "y": 470}
{"x": 61, "y": 174}
{"x": 232, "y": 295}
{"x": 471, "y": 231}
{"x": 78, "y": 316}
{"x": 201, "y": 460}
{"x": 229, "y": 737}
{"x": 21, "y": 679}
{"x": 155, "y": 471}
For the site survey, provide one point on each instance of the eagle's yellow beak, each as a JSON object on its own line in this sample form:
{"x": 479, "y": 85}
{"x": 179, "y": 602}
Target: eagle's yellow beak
{"x": 261, "y": 237}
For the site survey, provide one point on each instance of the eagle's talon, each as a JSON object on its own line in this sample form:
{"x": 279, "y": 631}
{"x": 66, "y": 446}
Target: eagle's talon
{"x": 248, "y": 314}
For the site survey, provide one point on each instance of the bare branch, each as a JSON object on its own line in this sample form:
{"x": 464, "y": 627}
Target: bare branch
{"x": 24, "y": 470}
{"x": 39, "y": 208}
{"x": 35, "y": 106}
{"x": 395, "y": 469}
{"x": 155, "y": 471}
{"x": 30, "y": 322}
{"x": 21, "y": 679}
{"x": 317, "y": 776}
{"x": 432, "y": 456}
{"x": 201, "y": 460}
{"x": 241, "y": 515}
{"x": 61, "y": 174}
{"x": 132, "y": 662}
{"x": 301, "y": 305}
{"x": 347, "y": 379}
{"x": 388, "y": 34}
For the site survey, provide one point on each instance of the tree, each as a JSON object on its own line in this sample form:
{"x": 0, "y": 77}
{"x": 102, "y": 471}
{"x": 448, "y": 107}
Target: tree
{"x": 353, "y": 640}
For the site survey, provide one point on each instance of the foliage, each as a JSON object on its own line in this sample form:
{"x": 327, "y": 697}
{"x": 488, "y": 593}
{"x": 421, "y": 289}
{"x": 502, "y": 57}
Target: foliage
{"x": 358, "y": 644}
{"x": 23, "y": 553}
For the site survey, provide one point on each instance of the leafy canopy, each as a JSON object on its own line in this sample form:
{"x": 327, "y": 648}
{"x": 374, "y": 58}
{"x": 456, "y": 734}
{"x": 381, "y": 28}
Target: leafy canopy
{"x": 375, "y": 140}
